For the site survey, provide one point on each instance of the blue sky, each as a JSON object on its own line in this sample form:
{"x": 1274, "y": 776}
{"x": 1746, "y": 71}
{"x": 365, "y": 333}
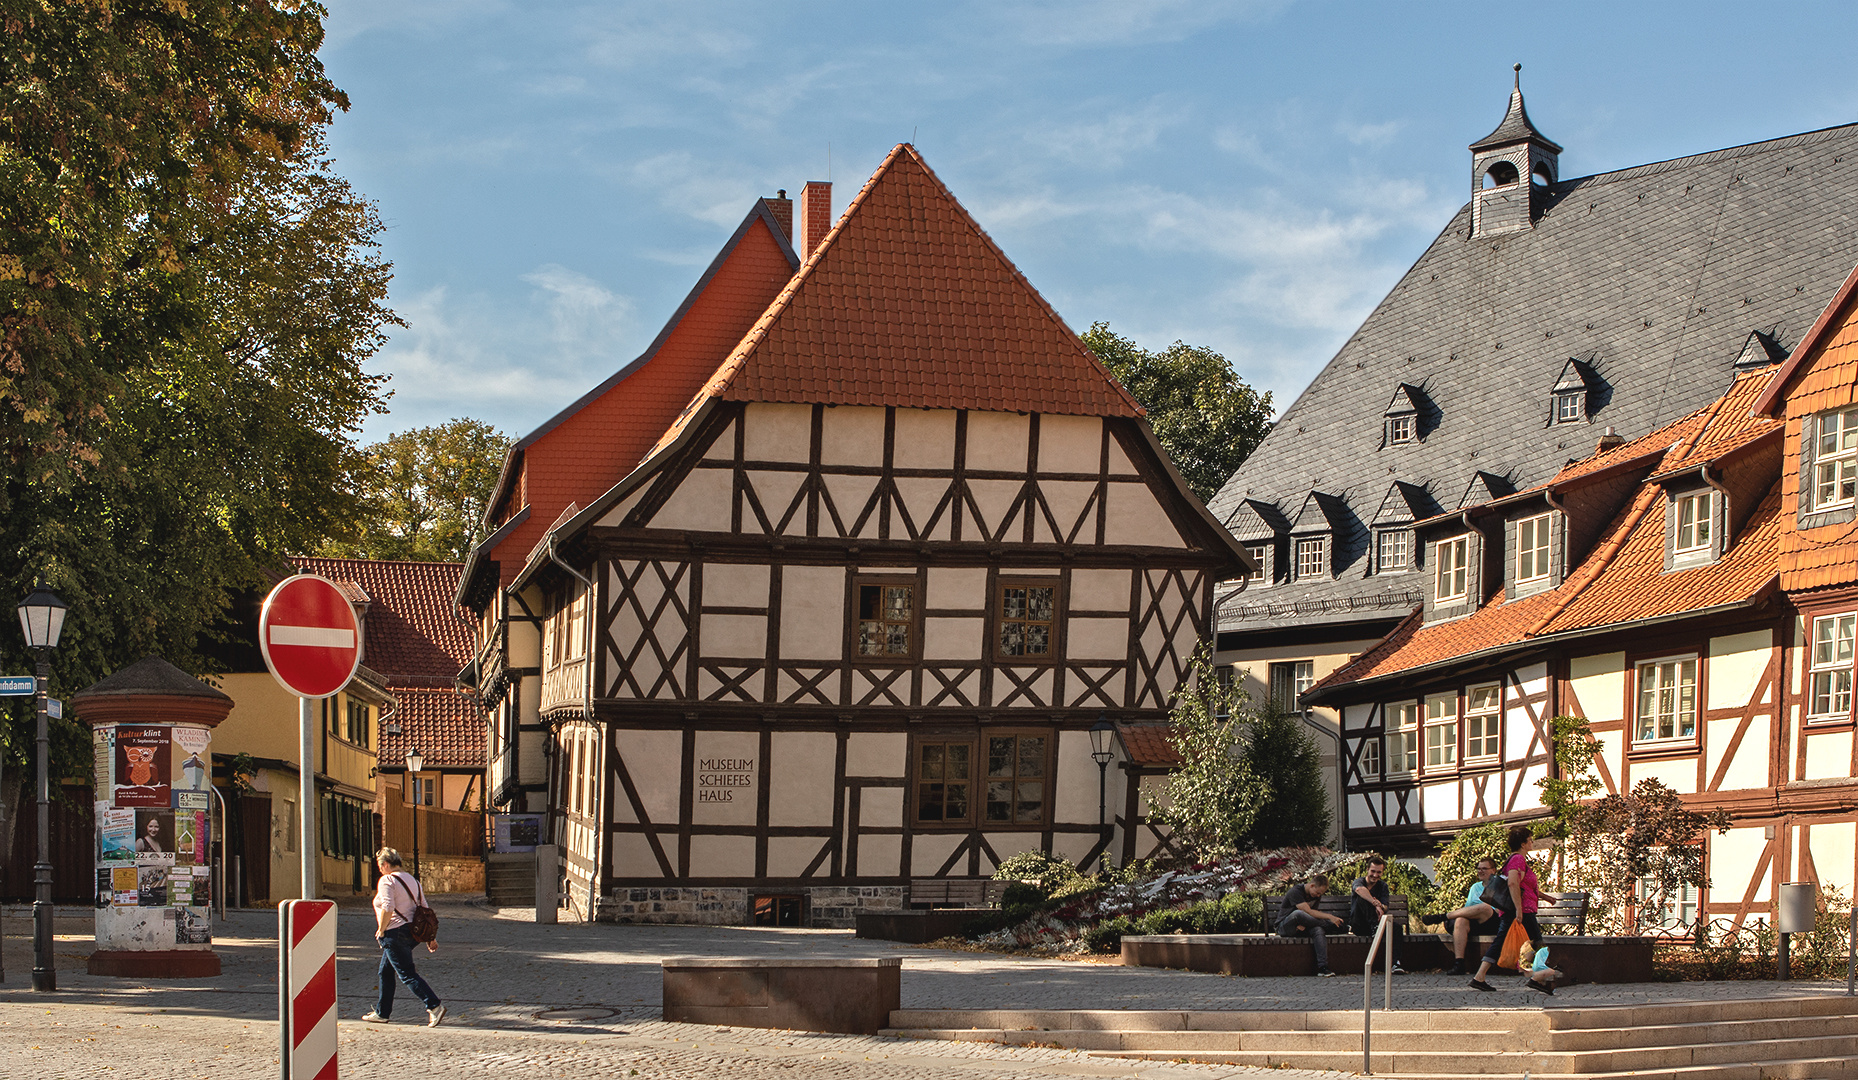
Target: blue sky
{"x": 1251, "y": 176}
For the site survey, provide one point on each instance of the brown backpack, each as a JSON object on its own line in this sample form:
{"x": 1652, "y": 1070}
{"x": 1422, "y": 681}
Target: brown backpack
{"x": 424, "y": 925}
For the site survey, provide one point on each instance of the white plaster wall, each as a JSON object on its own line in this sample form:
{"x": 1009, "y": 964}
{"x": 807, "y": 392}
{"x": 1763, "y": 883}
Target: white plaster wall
{"x": 701, "y": 502}
{"x": 928, "y": 851}
{"x": 654, "y": 759}
{"x": 1678, "y": 774}
{"x": 920, "y": 497}
{"x": 721, "y": 856}
{"x": 800, "y": 777}
{"x": 776, "y": 491}
{"x": 1008, "y": 844}
{"x": 1439, "y": 802}
{"x": 1070, "y": 444}
{"x": 1097, "y": 639}
{"x": 722, "y": 447}
{"x": 1120, "y": 465}
{"x": 1733, "y": 856}
{"x": 1099, "y": 590}
{"x": 740, "y": 807}
{"x": 995, "y": 500}
{"x": 1749, "y": 768}
{"x": 880, "y": 856}
{"x": 1075, "y": 787}
{"x": 876, "y": 754}
{"x": 735, "y": 635}
{"x": 1828, "y": 754}
{"x": 1069, "y": 502}
{"x": 957, "y": 588}
{"x": 1599, "y": 683}
{"x": 788, "y": 856}
{"x": 954, "y": 639}
{"x": 633, "y": 858}
{"x": 1736, "y": 664}
{"x": 1074, "y": 846}
{"x": 998, "y": 442}
{"x": 1531, "y": 781}
{"x": 616, "y": 514}
{"x": 1134, "y": 517}
{"x": 812, "y": 613}
{"x": 926, "y": 439}
{"x": 1833, "y": 854}
{"x": 852, "y": 435}
{"x": 777, "y": 432}
{"x": 880, "y": 807}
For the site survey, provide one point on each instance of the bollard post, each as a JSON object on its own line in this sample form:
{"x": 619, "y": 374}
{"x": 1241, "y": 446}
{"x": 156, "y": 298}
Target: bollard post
{"x": 547, "y": 882}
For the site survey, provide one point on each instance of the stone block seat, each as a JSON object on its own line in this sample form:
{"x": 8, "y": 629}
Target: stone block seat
{"x": 938, "y": 908}
{"x": 852, "y": 996}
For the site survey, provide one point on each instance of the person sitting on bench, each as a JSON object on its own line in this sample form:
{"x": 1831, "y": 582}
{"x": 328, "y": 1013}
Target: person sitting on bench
{"x": 1369, "y": 904}
{"x": 1301, "y": 918}
{"x": 1475, "y": 919}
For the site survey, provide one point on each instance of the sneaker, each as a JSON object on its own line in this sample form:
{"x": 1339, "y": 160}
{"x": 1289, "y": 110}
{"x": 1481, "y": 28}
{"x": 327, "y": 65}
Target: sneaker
{"x": 1479, "y": 984}
{"x": 1324, "y": 973}
{"x": 373, "y": 1017}
{"x": 1546, "y": 988}
{"x": 1398, "y": 970}
{"x": 433, "y": 1016}
{"x": 1438, "y": 917}
{"x": 1458, "y": 968}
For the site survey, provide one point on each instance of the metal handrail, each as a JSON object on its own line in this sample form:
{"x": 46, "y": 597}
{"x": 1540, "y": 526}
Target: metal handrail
{"x": 1367, "y": 992}
{"x": 1851, "y": 958}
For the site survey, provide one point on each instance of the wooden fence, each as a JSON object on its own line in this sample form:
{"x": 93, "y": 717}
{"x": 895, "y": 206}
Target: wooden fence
{"x": 441, "y": 832}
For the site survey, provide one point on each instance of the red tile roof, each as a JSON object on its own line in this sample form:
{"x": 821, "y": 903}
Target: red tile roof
{"x": 417, "y": 640}
{"x": 908, "y": 302}
{"x": 1623, "y": 580}
{"x": 1148, "y": 745}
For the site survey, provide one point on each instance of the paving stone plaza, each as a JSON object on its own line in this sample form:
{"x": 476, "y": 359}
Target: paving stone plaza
{"x": 574, "y": 1000}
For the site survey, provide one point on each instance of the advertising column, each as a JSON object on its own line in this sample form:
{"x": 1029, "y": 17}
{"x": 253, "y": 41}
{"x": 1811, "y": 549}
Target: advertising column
{"x": 152, "y": 728}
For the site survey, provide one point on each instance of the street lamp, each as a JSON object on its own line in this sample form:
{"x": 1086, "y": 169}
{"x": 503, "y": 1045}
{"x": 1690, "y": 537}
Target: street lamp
{"x": 1100, "y": 734}
{"x": 42, "y": 617}
{"x": 413, "y": 764}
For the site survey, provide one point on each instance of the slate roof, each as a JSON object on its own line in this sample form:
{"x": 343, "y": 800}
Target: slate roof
{"x": 1623, "y": 580}
{"x": 1718, "y": 245}
{"x": 1515, "y": 126}
{"x": 908, "y": 302}
{"x": 415, "y": 637}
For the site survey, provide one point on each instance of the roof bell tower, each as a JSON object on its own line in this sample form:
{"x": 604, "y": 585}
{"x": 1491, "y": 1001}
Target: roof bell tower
{"x": 1511, "y": 170}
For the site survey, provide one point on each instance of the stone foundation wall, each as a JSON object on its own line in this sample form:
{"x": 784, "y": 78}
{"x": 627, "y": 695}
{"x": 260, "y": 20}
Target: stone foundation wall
{"x": 451, "y": 874}
{"x": 828, "y": 906}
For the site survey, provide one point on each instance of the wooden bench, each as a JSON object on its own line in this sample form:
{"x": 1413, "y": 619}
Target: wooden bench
{"x": 956, "y": 892}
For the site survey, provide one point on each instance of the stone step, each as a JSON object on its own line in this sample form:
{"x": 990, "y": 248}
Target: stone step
{"x": 1772, "y": 1069}
{"x": 1691, "y": 1034}
{"x": 1193, "y": 1041}
{"x": 1698, "y": 1012}
{"x": 1640, "y": 1059}
{"x": 1527, "y": 1021}
{"x": 1768, "y": 1065}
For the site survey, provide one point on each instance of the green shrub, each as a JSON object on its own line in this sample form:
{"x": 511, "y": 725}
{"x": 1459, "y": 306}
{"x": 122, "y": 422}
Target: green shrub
{"x": 1456, "y": 867}
{"x": 1042, "y": 866}
{"x": 1402, "y": 879}
{"x": 1024, "y": 894}
{"x": 1073, "y": 891}
{"x": 1107, "y": 936}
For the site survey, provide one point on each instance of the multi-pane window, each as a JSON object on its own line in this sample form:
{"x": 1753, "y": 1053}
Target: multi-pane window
{"x": 1400, "y": 429}
{"x": 1532, "y": 548}
{"x": 1483, "y": 709}
{"x": 1831, "y": 696}
{"x": 1260, "y": 554}
{"x": 1312, "y": 558}
{"x": 944, "y": 781}
{"x": 1667, "y": 699}
{"x": 1570, "y": 408}
{"x": 1452, "y": 560}
{"x": 1369, "y": 763}
{"x": 1016, "y": 779}
{"x": 358, "y": 723}
{"x": 1835, "y": 460}
{"x": 886, "y": 620}
{"x": 1289, "y": 681}
{"x": 1395, "y": 550}
{"x": 1027, "y": 615}
{"x": 1402, "y": 738}
{"x": 1677, "y": 911}
{"x": 1693, "y": 522}
{"x": 420, "y": 790}
{"x": 1441, "y": 731}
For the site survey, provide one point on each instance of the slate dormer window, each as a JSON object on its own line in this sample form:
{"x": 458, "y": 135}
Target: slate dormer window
{"x": 1393, "y": 551}
{"x": 1573, "y": 396}
{"x": 1400, "y": 420}
{"x": 1312, "y": 558}
{"x": 1835, "y": 460}
{"x": 1261, "y": 559}
{"x": 1399, "y": 429}
{"x": 1571, "y": 408}
{"x": 1451, "y": 560}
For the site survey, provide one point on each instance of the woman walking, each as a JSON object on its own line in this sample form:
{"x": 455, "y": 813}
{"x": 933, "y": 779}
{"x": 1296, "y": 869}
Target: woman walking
{"x": 395, "y": 899}
{"x": 1523, "y": 900}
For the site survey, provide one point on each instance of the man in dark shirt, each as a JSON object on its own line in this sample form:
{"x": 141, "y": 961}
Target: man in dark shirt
{"x": 1370, "y": 903}
{"x": 1300, "y": 917}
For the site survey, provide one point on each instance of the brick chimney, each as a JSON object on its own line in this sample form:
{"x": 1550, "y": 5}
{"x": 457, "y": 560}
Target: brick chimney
{"x": 783, "y": 210}
{"x": 1608, "y": 440}
{"x": 815, "y": 217}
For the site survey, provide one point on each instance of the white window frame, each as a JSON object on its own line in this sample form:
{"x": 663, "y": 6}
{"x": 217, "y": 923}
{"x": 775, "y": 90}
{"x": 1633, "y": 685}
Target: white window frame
{"x": 1400, "y": 429}
{"x": 1368, "y": 764}
{"x": 1442, "y": 732}
{"x": 1483, "y": 719}
{"x": 1835, "y": 467}
{"x": 1293, "y": 675}
{"x": 1571, "y": 407}
{"x": 1314, "y": 552}
{"x": 1695, "y": 516}
{"x": 1670, "y": 913}
{"x": 1261, "y": 554}
{"x": 1532, "y": 561}
{"x": 1829, "y": 657}
{"x": 1647, "y": 730}
{"x": 1401, "y": 541}
{"x": 1402, "y": 720}
{"x": 1452, "y": 563}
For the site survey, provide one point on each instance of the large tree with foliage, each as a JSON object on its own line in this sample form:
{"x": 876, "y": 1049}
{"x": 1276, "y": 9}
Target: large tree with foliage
{"x": 425, "y": 491}
{"x": 187, "y": 293}
{"x": 1295, "y": 811}
{"x": 1204, "y": 415}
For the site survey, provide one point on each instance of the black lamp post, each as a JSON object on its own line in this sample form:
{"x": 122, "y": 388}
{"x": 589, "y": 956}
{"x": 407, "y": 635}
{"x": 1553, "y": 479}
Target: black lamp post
{"x": 42, "y": 617}
{"x": 414, "y": 762}
{"x": 1100, "y": 734}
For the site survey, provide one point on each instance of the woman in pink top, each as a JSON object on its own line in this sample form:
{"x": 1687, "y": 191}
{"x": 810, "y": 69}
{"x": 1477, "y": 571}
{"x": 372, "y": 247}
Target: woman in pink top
{"x": 1524, "y": 896}
{"x": 394, "y": 900}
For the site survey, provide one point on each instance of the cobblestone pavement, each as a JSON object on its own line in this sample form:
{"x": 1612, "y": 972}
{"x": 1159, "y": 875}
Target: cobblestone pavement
{"x": 500, "y": 976}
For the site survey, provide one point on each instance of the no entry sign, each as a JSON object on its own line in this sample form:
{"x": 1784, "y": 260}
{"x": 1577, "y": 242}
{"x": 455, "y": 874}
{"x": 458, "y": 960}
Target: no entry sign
{"x": 309, "y": 636}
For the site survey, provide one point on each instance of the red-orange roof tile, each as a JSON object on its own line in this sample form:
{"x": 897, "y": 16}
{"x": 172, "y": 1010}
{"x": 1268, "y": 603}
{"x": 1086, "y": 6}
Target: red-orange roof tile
{"x": 1148, "y": 745}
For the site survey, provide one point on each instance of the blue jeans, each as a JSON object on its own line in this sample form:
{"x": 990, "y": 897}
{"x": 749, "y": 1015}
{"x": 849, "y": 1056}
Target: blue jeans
{"x": 397, "y": 962}
{"x": 1301, "y": 924}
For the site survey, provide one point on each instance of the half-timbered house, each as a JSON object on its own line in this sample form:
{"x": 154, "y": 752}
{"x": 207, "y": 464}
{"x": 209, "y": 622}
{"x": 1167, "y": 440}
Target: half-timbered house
{"x": 1689, "y": 593}
{"x": 847, "y": 620}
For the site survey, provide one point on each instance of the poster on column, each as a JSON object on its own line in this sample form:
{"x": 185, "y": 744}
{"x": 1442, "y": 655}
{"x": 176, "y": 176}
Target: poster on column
{"x": 154, "y": 836}
{"x": 115, "y": 834}
{"x": 143, "y": 764}
{"x": 103, "y": 748}
{"x": 193, "y": 766}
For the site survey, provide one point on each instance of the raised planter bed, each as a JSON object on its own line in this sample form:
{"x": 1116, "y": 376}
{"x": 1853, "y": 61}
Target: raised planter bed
{"x": 848, "y": 996}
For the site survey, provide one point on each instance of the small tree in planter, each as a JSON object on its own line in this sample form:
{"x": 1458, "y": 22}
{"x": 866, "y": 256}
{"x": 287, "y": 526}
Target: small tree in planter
{"x": 1644, "y": 836}
{"x": 1212, "y": 798}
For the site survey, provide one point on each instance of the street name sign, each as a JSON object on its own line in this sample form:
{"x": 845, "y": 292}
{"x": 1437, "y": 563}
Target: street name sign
{"x": 309, "y": 636}
{"x": 17, "y": 685}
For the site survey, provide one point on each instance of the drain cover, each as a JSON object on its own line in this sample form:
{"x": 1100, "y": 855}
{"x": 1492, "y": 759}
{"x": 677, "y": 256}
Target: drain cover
{"x": 580, "y": 1012}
